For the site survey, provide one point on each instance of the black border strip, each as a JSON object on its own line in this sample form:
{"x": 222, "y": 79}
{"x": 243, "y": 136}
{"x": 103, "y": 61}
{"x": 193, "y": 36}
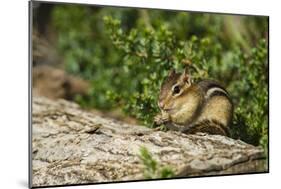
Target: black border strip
{"x": 268, "y": 84}
{"x": 113, "y": 182}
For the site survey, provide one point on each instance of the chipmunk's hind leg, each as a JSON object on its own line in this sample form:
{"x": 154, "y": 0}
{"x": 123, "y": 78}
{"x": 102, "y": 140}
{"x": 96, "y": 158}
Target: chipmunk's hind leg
{"x": 208, "y": 126}
{"x": 219, "y": 109}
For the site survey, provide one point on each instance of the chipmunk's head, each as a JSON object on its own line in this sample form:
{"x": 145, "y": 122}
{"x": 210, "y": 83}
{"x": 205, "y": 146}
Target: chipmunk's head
{"x": 173, "y": 89}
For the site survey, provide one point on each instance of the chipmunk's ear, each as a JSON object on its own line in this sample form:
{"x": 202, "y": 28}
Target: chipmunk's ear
{"x": 186, "y": 76}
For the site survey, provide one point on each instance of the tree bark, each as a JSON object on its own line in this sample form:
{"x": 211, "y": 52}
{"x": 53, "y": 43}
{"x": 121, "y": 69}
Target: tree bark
{"x": 74, "y": 146}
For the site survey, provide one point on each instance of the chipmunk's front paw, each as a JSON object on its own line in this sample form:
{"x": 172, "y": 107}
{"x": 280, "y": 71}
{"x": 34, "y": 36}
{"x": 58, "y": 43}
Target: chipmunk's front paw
{"x": 158, "y": 119}
{"x": 161, "y": 118}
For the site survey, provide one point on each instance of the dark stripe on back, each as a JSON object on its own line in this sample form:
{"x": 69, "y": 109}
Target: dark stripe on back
{"x": 208, "y": 84}
{"x": 218, "y": 93}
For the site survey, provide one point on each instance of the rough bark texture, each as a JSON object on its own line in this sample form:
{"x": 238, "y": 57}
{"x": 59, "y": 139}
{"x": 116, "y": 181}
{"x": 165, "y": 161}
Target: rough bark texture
{"x": 73, "y": 146}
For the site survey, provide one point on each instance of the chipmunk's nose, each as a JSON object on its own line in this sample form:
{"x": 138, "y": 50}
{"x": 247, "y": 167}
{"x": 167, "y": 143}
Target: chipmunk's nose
{"x": 161, "y": 105}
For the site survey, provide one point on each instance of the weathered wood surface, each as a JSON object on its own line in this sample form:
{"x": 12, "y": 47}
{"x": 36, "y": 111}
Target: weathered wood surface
{"x": 73, "y": 146}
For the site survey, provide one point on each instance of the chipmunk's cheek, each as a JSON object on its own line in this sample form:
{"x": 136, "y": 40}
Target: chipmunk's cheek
{"x": 177, "y": 105}
{"x": 173, "y": 109}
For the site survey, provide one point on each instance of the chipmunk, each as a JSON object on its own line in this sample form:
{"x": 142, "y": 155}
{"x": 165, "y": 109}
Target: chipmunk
{"x": 190, "y": 107}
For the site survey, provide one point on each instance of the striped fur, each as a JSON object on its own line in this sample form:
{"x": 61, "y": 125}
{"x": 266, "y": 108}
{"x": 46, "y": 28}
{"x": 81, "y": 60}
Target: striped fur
{"x": 212, "y": 88}
{"x": 216, "y": 92}
{"x": 200, "y": 107}
{"x": 207, "y": 126}
{"x": 216, "y": 114}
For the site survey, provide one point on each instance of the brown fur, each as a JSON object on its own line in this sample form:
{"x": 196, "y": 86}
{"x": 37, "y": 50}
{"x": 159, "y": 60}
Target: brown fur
{"x": 198, "y": 107}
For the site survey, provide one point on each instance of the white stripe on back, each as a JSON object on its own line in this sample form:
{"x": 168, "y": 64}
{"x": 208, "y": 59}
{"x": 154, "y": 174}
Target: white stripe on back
{"x": 211, "y": 90}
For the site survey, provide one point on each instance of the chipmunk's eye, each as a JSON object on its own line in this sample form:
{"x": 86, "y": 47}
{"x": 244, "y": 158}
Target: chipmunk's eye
{"x": 176, "y": 89}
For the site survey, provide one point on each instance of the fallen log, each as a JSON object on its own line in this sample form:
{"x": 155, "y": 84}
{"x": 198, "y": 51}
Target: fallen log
{"x": 74, "y": 146}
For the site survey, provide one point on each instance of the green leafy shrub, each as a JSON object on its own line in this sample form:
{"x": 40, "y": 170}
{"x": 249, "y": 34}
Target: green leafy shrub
{"x": 152, "y": 169}
{"x": 126, "y": 54}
